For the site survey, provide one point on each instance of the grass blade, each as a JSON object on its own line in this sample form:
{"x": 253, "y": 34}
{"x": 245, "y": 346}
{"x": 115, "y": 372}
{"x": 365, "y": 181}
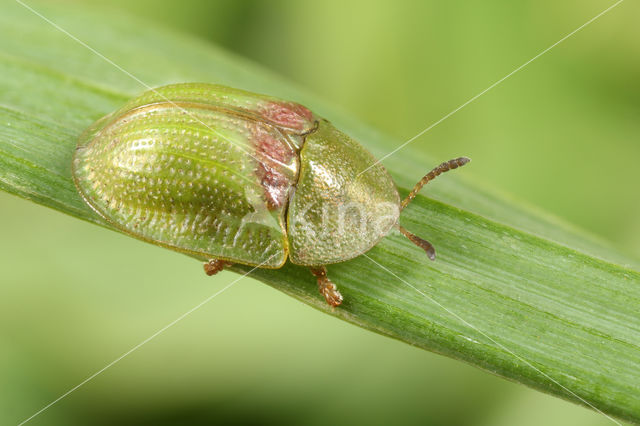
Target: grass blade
{"x": 513, "y": 292}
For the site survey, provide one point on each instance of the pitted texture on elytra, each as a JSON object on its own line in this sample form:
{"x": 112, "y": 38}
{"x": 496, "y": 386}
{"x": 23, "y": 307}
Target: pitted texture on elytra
{"x": 192, "y": 176}
{"x": 212, "y": 171}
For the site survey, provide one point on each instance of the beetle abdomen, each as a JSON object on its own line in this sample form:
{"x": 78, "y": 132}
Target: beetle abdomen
{"x": 204, "y": 177}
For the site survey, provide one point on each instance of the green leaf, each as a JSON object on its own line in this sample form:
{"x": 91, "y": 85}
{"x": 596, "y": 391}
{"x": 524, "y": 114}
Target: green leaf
{"x": 513, "y": 291}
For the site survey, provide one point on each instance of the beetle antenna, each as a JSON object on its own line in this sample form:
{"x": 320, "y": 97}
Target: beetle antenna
{"x": 423, "y": 244}
{"x": 444, "y": 167}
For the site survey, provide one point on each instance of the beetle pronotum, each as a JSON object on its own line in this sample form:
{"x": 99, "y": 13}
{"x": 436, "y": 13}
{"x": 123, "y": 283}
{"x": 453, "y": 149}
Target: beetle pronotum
{"x": 236, "y": 177}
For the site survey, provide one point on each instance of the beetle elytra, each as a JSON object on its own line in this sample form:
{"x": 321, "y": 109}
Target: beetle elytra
{"x": 235, "y": 177}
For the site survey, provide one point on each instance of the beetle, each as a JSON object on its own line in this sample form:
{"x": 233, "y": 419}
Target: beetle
{"x": 235, "y": 177}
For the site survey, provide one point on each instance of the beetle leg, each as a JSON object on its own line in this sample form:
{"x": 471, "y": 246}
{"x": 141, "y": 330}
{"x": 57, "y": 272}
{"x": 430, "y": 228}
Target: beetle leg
{"x": 213, "y": 266}
{"x": 423, "y": 244}
{"x": 444, "y": 167}
{"x": 327, "y": 288}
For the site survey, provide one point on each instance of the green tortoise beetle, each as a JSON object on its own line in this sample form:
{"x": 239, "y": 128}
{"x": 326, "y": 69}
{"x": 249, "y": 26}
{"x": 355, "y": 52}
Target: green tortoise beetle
{"x": 234, "y": 177}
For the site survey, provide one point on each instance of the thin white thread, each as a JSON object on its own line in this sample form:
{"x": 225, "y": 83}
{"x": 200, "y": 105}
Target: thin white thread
{"x": 492, "y": 86}
{"x": 172, "y": 323}
{"x": 59, "y": 28}
{"x": 494, "y": 341}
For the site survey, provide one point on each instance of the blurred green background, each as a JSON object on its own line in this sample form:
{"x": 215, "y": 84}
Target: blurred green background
{"x": 562, "y": 134}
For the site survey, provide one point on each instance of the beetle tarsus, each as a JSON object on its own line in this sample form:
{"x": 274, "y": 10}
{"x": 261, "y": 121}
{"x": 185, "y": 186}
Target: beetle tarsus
{"x": 213, "y": 266}
{"x": 327, "y": 288}
{"x": 444, "y": 167}
{"x": 423, "y": 244}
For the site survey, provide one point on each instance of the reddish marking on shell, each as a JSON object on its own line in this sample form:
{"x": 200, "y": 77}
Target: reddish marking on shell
{"x": 288, "y": 114}
{"x": 273, "y": 155}
{"x": 276, "y": 186}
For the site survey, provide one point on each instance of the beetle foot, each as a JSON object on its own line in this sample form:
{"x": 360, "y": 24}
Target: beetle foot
{"x": 327, "y": 288}
{"x": 330, "y": 292}
{"x": 214, "y": 266}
